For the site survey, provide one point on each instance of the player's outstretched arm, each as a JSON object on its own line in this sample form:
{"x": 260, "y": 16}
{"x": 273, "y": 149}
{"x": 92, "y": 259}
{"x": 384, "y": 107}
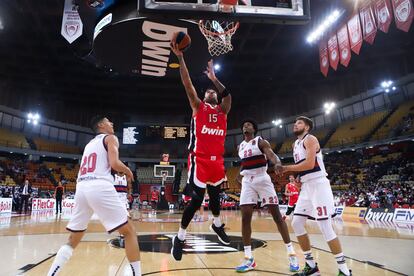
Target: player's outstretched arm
{"x": 186, "y": 80}
{"x": 312, "y": 146}
{"x": 111, "y": 141}
{"x": 265, "y": 147}
{"x": 226, "y": 97}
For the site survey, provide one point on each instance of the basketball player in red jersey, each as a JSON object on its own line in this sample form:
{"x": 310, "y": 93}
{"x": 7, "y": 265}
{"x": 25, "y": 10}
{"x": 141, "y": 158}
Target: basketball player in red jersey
{"x": 95, "y": 193}
{"x": 205, "y": 161}
{"x": 291, "y": 191}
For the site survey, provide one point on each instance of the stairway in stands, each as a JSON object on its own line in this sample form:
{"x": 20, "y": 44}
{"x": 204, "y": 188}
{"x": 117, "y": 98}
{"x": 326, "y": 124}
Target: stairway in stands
{"x": 380, "y": 123}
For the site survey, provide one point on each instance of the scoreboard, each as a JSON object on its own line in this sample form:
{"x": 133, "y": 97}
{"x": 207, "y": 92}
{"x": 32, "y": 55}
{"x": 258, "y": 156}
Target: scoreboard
{"x": 132, "y": 135}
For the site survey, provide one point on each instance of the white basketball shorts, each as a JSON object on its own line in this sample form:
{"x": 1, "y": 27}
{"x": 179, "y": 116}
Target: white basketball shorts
{"x": 255, "y": 187}
{"x": 315, "y": 199}
{"x": 100, "y": 197}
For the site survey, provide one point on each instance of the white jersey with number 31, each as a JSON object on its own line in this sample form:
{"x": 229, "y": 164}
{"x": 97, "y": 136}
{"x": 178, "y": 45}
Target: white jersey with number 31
{"x": 95, "y": 161}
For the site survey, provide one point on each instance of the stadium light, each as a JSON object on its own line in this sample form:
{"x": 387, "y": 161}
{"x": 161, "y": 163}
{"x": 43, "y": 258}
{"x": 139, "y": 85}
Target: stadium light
{"x": 217, "y": 67}
{"x": 323, "y": 27}
{"x": 33, "y": 118}
{"x": 386, "y": 85}
{"x": 329, "y": 106}
{"x": 277, "y": 123}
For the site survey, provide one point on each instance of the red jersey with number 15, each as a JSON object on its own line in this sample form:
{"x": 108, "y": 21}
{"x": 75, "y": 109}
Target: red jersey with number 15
{"x": 291, "y": 188}
{"x": 208, "y": 131}
{"x": 95, "y": 161}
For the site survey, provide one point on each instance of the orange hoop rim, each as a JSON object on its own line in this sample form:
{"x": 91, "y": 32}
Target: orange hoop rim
{"x": 204, "y": 30}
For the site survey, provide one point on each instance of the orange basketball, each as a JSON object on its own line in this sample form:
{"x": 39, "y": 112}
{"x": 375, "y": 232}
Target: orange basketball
{"x": 182, "y": 39}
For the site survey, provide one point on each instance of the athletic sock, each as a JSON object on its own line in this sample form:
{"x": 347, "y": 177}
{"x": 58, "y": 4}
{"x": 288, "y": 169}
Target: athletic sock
{"x": 309, "y": 259}
{"x": 289, "y": 248}
{"x": 63, "y": 255}
{"x": 340, "y": 259}
{"x": 181, "y": 234}
{"x": 217, "y": 221}
{"x": 136, "y": 268}
{"x": 248, "y": 252}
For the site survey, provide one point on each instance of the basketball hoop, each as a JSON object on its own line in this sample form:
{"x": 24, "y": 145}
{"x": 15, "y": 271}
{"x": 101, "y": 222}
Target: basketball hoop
{"x": 218, "y": 35}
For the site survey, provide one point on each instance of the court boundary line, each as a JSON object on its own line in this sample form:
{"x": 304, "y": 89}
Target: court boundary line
{"x": 363, "y": 262}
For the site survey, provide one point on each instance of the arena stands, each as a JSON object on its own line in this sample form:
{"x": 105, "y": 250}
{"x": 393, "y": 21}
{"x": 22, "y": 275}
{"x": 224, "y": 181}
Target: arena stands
{"x": 13, "y": 139}
{"x": 355, "y": 131}
{"x": 51, "y": 146}
{"x": 397, "y": 122}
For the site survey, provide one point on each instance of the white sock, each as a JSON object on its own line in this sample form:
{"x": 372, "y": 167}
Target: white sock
{"x": 340, "y": 259}
{"x": 63, "y": 255}
{"x": 309, "y": 259}
{"x": 217, "y": 221}
{"x": 248, "y": 252}
{"x": 181, "y": 234}
{"x": 289, "y": 248}
{"x": 136, "y": 268}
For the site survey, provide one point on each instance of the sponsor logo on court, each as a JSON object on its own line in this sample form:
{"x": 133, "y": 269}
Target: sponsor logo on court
{"x": 339, "y": 210}
{"x": 195, "y": 243}
{"x": 404, "y": 215}
{"x": 5, "y": 205}
{"x": 380, "y": 214}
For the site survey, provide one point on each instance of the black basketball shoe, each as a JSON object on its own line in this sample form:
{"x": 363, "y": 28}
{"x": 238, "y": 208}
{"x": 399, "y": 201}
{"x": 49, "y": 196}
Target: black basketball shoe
{"x": 308, "y": 271}
{"x": 221, "y": 235}
{"x": 177, "y": 248}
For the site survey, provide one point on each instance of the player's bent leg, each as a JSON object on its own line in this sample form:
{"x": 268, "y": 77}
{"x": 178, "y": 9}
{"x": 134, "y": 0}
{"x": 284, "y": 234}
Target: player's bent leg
{"x": 197, "y": 196}
{"x": 214, "y": 204}
{"x": 298, "y": 225}
{"x": 248, "y": 263}
{"x": 65, "y": 252}
{"x": 131, "y": 247}
{"x": 334, "y": 244}
{"x": 284, "y": 232}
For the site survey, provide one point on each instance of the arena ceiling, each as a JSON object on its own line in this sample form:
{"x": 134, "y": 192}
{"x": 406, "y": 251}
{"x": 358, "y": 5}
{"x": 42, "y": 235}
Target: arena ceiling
{"x": 272, "y": 72}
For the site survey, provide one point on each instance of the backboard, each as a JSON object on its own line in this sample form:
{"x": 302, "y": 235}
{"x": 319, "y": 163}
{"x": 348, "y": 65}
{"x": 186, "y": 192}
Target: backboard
{"x": 261, "y": 11}
{"x": 161, "y": 170}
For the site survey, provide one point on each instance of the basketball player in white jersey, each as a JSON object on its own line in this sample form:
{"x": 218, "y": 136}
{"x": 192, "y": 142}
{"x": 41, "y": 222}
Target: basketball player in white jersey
{"x": 315, "y": 199}
{"x": 121, "y": 187}
{"x": 95, "y": 193}
{"x": 255, "y": 153}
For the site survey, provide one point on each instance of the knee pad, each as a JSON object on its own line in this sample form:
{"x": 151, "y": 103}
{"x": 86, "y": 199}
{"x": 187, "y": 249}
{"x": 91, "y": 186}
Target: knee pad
{"x": 298, "y": 225}
{"x": 327, "y": 229}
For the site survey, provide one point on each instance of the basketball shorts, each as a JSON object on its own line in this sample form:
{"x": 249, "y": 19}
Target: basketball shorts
{"x": 316, "y": 199}
{"x": 255, "y": 187}
{"x": 99, "y": 197}
{"x": 124, "y": 199}
{"x": 205, "y": 171}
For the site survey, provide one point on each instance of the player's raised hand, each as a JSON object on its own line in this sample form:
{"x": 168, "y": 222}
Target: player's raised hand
{"x": 210, "y": 70}
{"x": 175, "y": 49}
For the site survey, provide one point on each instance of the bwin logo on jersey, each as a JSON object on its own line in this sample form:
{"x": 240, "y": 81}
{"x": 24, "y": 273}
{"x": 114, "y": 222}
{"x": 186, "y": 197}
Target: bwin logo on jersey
{"x": 212, "y": 131}
{"x": 156, "y": 52}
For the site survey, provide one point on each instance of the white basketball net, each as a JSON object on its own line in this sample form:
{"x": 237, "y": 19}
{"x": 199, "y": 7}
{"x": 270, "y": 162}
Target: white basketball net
{"x": 218, "y": 35}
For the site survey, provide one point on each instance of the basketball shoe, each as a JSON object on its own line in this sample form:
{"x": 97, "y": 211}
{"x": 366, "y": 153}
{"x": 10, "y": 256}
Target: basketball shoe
{"x": 247, "y": 265}
{"x": 221, "y": 235}
{"x": 308, "y": 271}
{"x": 177, "y": 248}
{"x": 293, "y": 263}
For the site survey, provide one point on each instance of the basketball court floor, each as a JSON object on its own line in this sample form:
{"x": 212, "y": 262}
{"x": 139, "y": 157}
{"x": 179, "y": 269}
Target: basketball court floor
{"x": 30, "y": 242}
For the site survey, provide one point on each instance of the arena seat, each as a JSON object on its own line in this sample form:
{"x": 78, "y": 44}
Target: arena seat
{"x": 286, "y": 146}
{"x": 231, "y": 174}
{"x": 392, "y": 122}
{"x": 13, "y": 139}
{"x": 355, "y": 131}
{"x": 52, "y": 146}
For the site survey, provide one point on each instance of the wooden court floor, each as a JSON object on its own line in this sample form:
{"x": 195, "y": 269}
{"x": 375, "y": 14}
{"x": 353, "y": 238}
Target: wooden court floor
{"x": 30, "y": 242}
